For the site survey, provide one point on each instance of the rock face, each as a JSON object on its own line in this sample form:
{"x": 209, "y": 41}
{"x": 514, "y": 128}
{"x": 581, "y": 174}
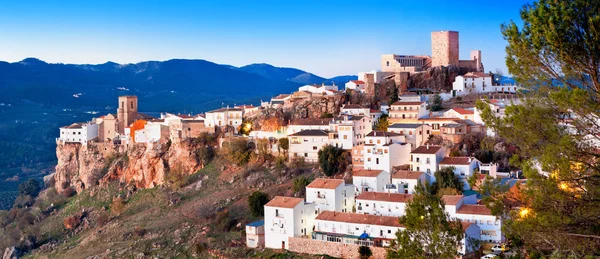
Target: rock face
{"x": 303, "y": 108}
{"x": 141, "y": 165}
{"x": 10, "y": 253}
{"x": 436, "y": 79}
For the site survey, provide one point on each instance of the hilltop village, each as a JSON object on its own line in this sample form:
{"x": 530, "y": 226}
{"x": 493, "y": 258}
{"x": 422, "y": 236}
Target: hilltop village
{"x": 396, "y": 132}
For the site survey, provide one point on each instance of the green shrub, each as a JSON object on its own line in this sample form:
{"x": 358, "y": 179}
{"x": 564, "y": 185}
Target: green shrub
{"x": 299, "y": 184}
{"x": 364, "y": 252}
{"x": 30, "y": 187}
{"x": 332, "y": 160}
{"x": 256, "y": 202}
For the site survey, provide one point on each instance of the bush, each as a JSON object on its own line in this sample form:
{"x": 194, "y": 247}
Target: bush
{"x": 300, "y": 184}
{"x": 436, "y": 103}
{"x": 256, "y": 202}
{"x": 297, "y": 163}
{"x": 23, "y": 201}
{"x": 71, "y": 222}
{"x": 364, "y": 252}
{"x": 139, "y": 231}
{"x": 284, "y": 143}
{"x": 117, "y": 206}
{"x": 224, "y": 222}
{"x": 30, "y": 187}
{"x": 237, "y": 151}
{"x": 332, "y": 160}
{"x": 102, "y": 219}
{"x": 326, "y": 115}
{"x": 445, "y": 178}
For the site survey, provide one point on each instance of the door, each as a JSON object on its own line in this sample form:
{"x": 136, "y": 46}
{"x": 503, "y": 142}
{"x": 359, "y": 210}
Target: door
{"x": 282, "y": 244}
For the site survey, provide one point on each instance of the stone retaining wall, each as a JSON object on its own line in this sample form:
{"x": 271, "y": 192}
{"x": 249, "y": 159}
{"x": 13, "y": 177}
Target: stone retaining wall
{"x": 312, "y": 246}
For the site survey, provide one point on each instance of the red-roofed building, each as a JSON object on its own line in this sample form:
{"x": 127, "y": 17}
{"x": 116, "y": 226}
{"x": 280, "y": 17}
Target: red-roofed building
{"x": 330, "y": 195}
{"x": 356, "y": 85}
{"x": 466, "y": 209}
{"x": 460, "y": 113}
{"x": 464, "y": 167}
{"x": 370, "y": 180}
{"x": 287, "y": 217}
{"x": 426, "y": 158}
{"x": 406, "y": 181}
{"x": 382, "y": 204}
{"x": 407, "y": 111}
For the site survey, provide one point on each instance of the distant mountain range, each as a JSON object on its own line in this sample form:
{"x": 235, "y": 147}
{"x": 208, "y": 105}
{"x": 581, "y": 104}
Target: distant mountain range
{"x": 173, "y": 85}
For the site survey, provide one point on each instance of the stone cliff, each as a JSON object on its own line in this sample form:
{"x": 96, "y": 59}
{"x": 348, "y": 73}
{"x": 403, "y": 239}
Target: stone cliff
{"x": 301, "y": 108}
{"x": 436, "y": 79}
{"x": 142, "y": 165}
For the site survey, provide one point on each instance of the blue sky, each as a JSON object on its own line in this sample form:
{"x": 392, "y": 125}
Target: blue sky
{"x": 327, "y": 38}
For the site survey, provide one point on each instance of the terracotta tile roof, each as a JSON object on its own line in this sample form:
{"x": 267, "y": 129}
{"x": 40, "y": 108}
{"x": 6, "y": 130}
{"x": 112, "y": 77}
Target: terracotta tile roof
{"x": 456, "y": 161}
{"x": 465, "y": 225}
{"x": 310, "y": 121}
{"x": 426, "y": 150}
{"x": 451, "y": 199}
{"x": 403, "y": 174}
{"x": 284, "y": 202}
{"x": 243, "y": 106}
{"x": 359, "y": 219}
{"x": 324, "y": 183}
{"x": 381, "y": 196}
{"x": 367, "y": 173}
{"x": 407, "y": 103}
{"x": 358, "y": 82}
{"x": 463, "y": 111}
{"x": 224, "y": 110}
{"x": 375, "y": 111}
{"x": 474, "y": 209}
{"x": 311, "y": 132}
{"x": 281, "y": 96}
{"x": 405, "y": 125}
{"x": 438, "y": 119}
{"x": 185, "y": 116}
{"x": 378, "y": 133}
{"x": 73, "y": 126}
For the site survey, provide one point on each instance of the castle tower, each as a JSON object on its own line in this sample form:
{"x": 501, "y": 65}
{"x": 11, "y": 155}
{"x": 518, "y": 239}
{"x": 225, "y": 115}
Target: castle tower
{"x": 444, "y": 48}
{"x": 476, "y": 55}
{"x": 127, "y": 111}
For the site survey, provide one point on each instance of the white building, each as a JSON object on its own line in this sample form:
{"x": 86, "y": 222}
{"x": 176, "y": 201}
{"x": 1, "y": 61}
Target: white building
{"x": 255, "y": 234}
{"x": 287, "y": 217}
{"x": 330, "y": 195}
{"x": 356, "y": 85}
{"x": 370, "y": 180}
{"x": 464, "y": 167}
{"x": 307, "y": 144}
{"x": 151, "y": 133}
{"x": 358, "y": 229}
{"x": 414, "y": 133}
{"x": 478, "y": 83}
{"x": 427, "y": 159}
{"x": 349, "y": 130}
{"x": 498, "y": 108}
{"x": 466, "y": 209}
{"x": 460, "y": 113}
{"x": 248, "y": 109}
{"x": 382, "y": 204}
{"x": 355, "y": 109}
{"x": 78, "y": 133}
{"x": 279, "y": 100}
{"x": 319, "y": 89}
{"x": 384, "y": 150}
{"x": 406, "y": 181}
{"x": 408, "y": 111}
{"x": 298, "y": 125}
{"x": 224, "y": 117}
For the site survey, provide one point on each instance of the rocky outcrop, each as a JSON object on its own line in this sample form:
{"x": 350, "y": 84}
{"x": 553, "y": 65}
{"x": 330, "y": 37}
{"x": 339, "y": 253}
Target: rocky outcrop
{"x": 436, "y": 79}
{"x": 302, "y": 108}
{"x": 141, "y": 165}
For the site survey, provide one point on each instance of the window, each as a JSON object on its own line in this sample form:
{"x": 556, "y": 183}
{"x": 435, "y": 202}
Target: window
{"x": 276, "y": 213}
{"x": 385, "y": 151}
{"x": 387, "y": 63}
{"x": 314, "y": 147}
{"x": 305, "y": 154}
{"x": 378, "y": 141}
{"x": 389, "y": 231}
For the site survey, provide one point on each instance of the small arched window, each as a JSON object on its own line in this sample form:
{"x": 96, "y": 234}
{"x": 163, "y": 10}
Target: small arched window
{"x": 387, "y": 63}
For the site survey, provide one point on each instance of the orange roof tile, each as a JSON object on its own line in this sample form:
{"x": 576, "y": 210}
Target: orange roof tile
{"x": 358, "y": 82}
{"x": 451, "y": 199}
{"x": 456, "y": 161}
{"x": 403, "y": 174}
{"x": 367, "y": 173}
{"x": 359, "y": 218}
{"x": 463, "y": 111}
{"x": 474, "y": 209}
{"x": 324, "y": 183}
{"x": 284, "y": 202}
{"x": 389, "y": 197}
{"x": 407, "y": 103}
{"x": 426, "y": 150}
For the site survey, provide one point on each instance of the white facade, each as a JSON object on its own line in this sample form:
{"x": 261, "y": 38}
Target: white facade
{"x": 463, "y": 114}
{"x": 307, "y": 124}
{"x": 350, "y": 130}
{"x": 384, "y": 150}
{"x": 355, "y": 85}
{"x": 405, "y": 111}
{"x": 255, "y": 234}
{"x": 287, "y": 217}
{"x": 406, "y": 181}
{"x": 427, "y": 159}
{"x": 378, "y": 76}
{"x": 382, "y": 204}
{"x": 151, "y": 133}
{"x": 370, "y": 180}
{"x": 319, "y": 89}
{"x": 307, "y": 144}
{"x": 478, "y": 83}
{"x": 330, "y": 195}
{"x": 355, "y": 109}
{"x": 464, "y": 167}
{"x": 466, "y": 209}
{"x": 414, "y": 133}
{"x": 78, "y": 133}
{"x": 347, "y": 227}
{"x": 498, "y": 108}
{"x": 224, "y": 117}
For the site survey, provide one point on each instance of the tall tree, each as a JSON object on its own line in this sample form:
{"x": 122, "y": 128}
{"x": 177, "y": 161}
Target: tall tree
{"x": 445, "y": 178}
{"x": 332, "y": 160}
{"x": 436, "y": 103}
{"x": 429, "y": 233}
{"x": 382, "y": 123}
{"x": 556, "y": 52}
{"x": 256, "y": 202}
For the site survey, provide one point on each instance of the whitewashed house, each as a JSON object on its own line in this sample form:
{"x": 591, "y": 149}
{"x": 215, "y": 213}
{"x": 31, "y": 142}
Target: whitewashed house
{"x": 248, "y": 109}
{"x": 287, "y": 217}
{"x": 151, "y": 133}
{"x": 307, "y": 143}
{"x": 382, "y": 204}
{"x": 498, "y": 108}
{"x": 356, "y": 85}
{"x": 349, "y": 130}
{"x": 255, "y": 234}
{"x": 427, "y": 159}
{"x": 319, "y": 89}
{"x": 355, "y": 109}
{"x": 416, "y": 134}
{"x": 224, "y": 117}
{"x": 460, "y": 113}
{"x": 78, "y": 133}
{"x": 407, "y": 111}
{"x": 279, "y": 100}
{"x": 466, "y": 209}
{"x": 478, "y": 83}
{"x": 464, "y": 167}
{"x": 384, "y": 150}
{"x": 357, "y": 229}
{"x": 406, "y": 181}
{"x": 330, "y": 195}
{"x": 298, "y": 125}
{"x": 370, "y": 180}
